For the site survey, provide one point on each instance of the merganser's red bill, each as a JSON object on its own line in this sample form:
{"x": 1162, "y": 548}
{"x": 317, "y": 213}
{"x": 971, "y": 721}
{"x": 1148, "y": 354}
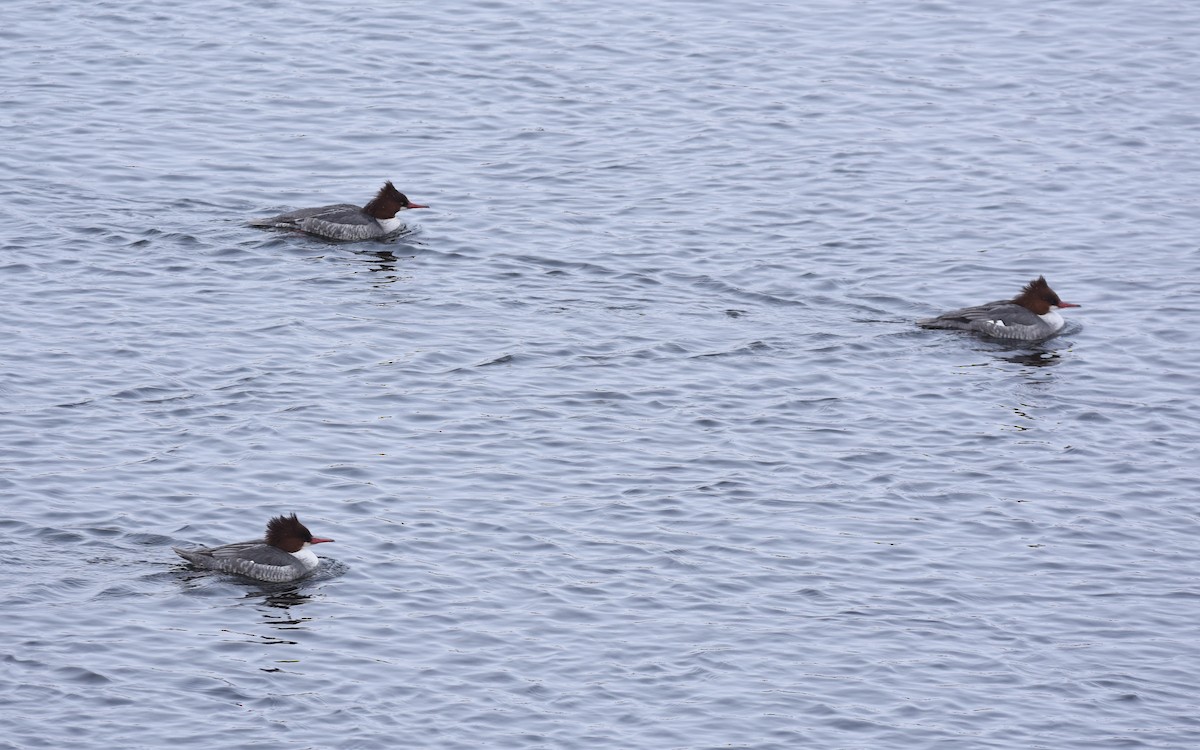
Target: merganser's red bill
{"x": 318, "y": 540}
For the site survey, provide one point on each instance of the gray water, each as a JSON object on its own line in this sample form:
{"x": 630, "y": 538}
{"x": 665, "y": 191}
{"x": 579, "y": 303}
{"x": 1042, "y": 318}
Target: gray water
{"x": 631, "y": 441}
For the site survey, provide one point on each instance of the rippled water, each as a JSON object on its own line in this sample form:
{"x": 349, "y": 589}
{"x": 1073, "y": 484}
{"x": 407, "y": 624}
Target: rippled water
{"x": 631, "y": 442}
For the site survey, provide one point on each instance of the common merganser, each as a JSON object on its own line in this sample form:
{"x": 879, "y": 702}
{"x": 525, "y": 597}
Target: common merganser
{"x": 284, "y": 554}
{"x": 1030, "y": 316}
{"x": 345, "y": 221}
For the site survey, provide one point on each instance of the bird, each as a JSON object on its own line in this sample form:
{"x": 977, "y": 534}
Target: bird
{"x": 1030, "y": 316}
{"x": 346, "y": 221}
{"x": 284, "y": 554}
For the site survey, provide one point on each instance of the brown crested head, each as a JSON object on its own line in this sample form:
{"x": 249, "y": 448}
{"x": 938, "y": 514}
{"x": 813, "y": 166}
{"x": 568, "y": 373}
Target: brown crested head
{"x": 388, "y": 202}
{"x": 289, "y": 535}
{"x": 1038, "y": 297}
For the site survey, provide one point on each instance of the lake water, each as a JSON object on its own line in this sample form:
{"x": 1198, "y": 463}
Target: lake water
{"x": 631, "y": 441}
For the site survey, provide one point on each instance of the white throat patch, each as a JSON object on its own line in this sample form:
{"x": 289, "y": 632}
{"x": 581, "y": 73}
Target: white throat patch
{"x": 1053, "y": 319}
{"x": 392, "y": 224}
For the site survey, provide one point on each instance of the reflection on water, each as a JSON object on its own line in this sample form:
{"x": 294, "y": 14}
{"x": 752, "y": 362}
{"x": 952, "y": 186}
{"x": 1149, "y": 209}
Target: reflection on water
{"x": 1036, "y": 354}
{"x": 1034, "y": 359}
{"x": 285, "y": 599}
{"x": 385, "y": 263}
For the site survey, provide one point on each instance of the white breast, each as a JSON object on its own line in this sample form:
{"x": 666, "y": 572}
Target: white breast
{"x": 390, "y": 225}
{"x": 1053, "y": 319}
{"x": 307, "y": 558}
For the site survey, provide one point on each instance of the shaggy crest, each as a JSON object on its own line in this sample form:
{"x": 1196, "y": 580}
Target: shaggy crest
{"x": 283, "y": 528}
{"x": 1038, "y": 289}
{"x": 387, "y": 202}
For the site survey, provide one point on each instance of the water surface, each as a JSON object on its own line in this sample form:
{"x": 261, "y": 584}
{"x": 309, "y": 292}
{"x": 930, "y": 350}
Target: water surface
{"x": 631, "y": 441}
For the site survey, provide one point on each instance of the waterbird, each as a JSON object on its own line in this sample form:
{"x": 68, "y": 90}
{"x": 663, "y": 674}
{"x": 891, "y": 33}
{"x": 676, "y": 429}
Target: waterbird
{"x": 284, "y": 554}
{"x": 1030, "y": 316}
{"x": 346, "y": 221}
